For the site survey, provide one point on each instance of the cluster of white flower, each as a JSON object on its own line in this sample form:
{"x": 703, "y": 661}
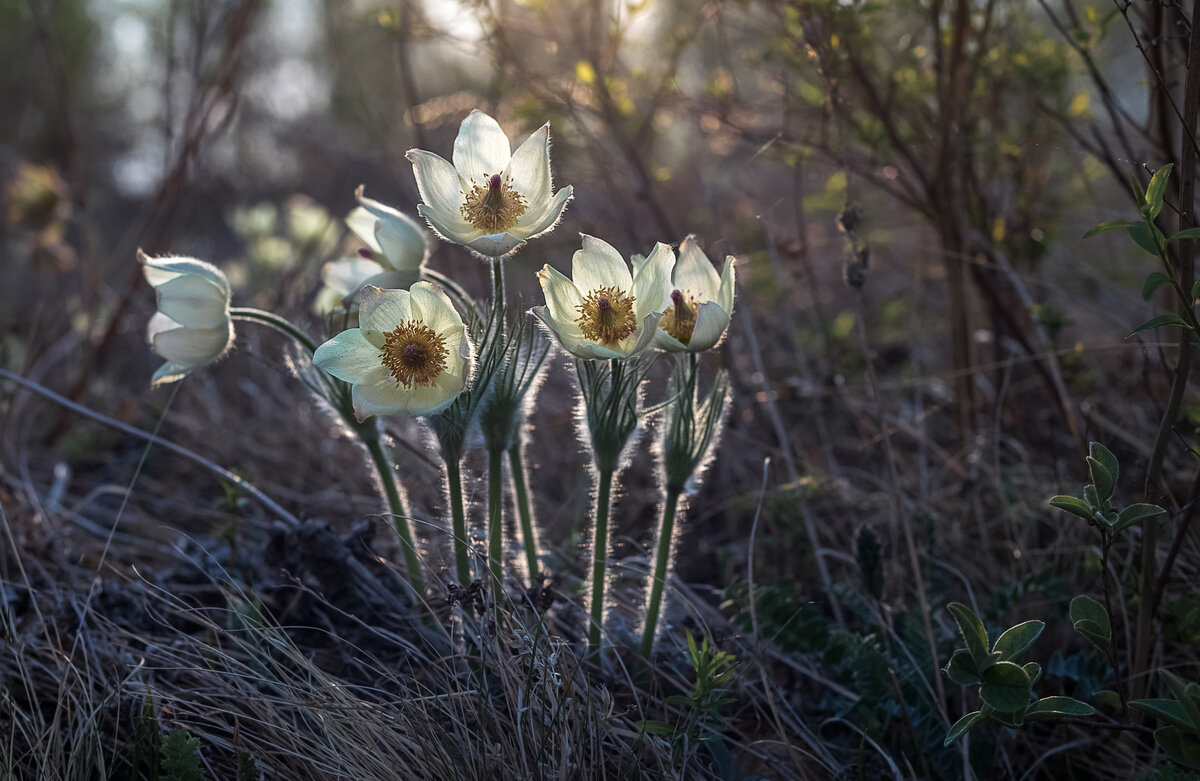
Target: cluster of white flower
{"x": 415, "y": 349}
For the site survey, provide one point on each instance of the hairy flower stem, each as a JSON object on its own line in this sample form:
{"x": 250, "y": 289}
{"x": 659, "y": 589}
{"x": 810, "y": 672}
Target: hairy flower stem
{"x": 661, "y": 562}
{"x": 458, "y": 517}
{"x": 528, "y": 535}
{"x": 497, "y": 282}
{"x": 396, "y": 503}
{"x": 496, "y": 524}
{"x": 273, "y": 320}
{"x": 599, "y": 558}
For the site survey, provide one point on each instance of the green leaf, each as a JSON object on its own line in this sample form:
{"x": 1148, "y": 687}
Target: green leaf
{"x": 1156, "y": 189}
{"x": 1105, "y": 457}
{"x": 962, "y": 727}
{"x": 972, "y": 630}
{"x": 1158, "y": 322}
{"x": 961, "y": 668}
{"x": 1104, "y": 480}
{"x": 1180, "y": 746}
{"x": 1014, "y": 641}
{"x": 1034, "y": 671}
{"x": 1185, "y": 693}
{"x": 1188, "y": 233}
{"x": 1091, "y": 620}
{"x": 1110, "y": 225}
{"x": 1196, "y": 290}
{"x": 1153, "y": 282}
{"x": 1005, "y": 687}
{"x": 1058, "y": 708}
{"x": 1074, "y": 506}
{"x": 1143, "y": 235}
{"x": 1089, "y": 492}
{"x": 1136, "y": 513}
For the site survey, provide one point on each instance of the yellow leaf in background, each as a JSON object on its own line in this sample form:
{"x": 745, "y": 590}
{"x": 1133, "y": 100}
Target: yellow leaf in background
{"x": 834, "y": 40}
{"x": 584, "y": 72}
{"x": 998, "y": 229}
{"x": 1079, "y": 104}
{"x": 920, "y": 52}
{"x": 662, "y": 173}
{"x": 842, "y": 325}
{"x": 836, "y": 183}
{"x": 1092, "y": 16}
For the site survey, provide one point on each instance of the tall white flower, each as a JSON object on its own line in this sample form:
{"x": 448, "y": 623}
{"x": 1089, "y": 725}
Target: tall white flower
{"x": 491, "y": 200}
{"x": 699, "y": 306}
{"x": 603, "y": 311}
{"x": 397, "y": 249}
{"x": 192, "y": 326}
{"x": 410, "y": 352}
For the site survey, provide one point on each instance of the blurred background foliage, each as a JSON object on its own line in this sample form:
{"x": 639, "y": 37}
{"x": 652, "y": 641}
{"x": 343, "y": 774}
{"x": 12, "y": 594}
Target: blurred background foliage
{"x": 905, "y": 185}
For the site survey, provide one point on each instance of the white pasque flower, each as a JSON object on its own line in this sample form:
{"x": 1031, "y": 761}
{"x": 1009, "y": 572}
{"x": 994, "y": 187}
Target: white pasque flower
{"x": 410, "y": 352}
{"x": 490, "y": 201}
{"x": 192, "y": 326}
{"x": 397, "y": 248}
{"x": 699, "y": 305}
{"x": 603, "y": 311}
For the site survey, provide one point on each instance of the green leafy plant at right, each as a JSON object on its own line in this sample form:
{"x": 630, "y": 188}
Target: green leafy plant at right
{"x": 1005, "y": 684}
{"x": 1179, "y": 738}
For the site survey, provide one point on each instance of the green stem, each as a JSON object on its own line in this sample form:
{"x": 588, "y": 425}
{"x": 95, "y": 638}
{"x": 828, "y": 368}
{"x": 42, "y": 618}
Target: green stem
{"x": 661, "y": 563}
{"x": 599, "y": 558}
{"x": 396, "y": 504}
{"x": 459, "y": 517}
{"x": 274, "y": 321}
{"x": 496, "y": 523}
{"x": 528, "y": 535}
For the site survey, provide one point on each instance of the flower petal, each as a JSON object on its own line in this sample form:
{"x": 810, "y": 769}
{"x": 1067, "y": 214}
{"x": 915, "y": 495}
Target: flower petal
{"x": 440, "y": 188}
{"x": 562, "y": 301}
{"x": 495, "y": 245}
{"x": 432, "y": 307}
{"x": 449, "y": 227}
{"x": 404, "y": 245}
{"x": 385, "y": 398}
{"x": 193, "y": 301}
{"x": 652, "y": 285}
{"x": 351, "y": 358}
{"x": 481, "y": 148}
{"x": 380, "y": 311}
{"x": 346, "y": 275}
{"x": 536, "y": 222}
{"x": 711, "y": 323}
{"x": 728, "y": 284}
{"x": 192, "y": 347}
{"x": 529, "y": 169}
{"x": 160, "y": 270}
{"x": 362, "y": 224}
{"x": 169, "y": 372}
{"x": 645, "y": 335}
{"x": 695, "y": 273}
{"x": 598, "y": 265}
{"x": 393, "y": 280}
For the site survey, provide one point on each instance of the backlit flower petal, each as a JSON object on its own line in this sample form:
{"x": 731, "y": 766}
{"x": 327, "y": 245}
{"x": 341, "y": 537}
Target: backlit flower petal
{"x": 441, "y": 191}
{"x": 529, "y": 169}
{"x": 711, "y": 324}
{"x": 495, "y": 245}
{"x": 728, "y": 286}
{"x": 481, "y": 148}
{"x": 695, "y": 273}
{"x": 380, "y": 311}
{"x": 598, "y": 265}
{"x": 193, "y": 347}
{"x": 652, "y": 285}
{"x": 160, "y": 270}
{"x": 351, "y": 358}
{"x": 537, "y": 221}
{"x": 193, "y": 301}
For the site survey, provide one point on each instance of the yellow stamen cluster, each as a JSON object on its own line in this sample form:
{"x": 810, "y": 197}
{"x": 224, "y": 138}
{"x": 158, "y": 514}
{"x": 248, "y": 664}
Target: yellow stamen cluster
{"x": 414, "y": 354}
{"x": 680, "y": 318}
{"x": 606, "y": 316}
{"x": 493, "y": 206}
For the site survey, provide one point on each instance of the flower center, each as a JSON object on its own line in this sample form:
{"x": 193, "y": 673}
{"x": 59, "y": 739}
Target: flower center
{"x": 606, "y": 315}
{"x": 414, "y": 354}
{"x": 680, "y": 318}
{"x": 493, "y": 206}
